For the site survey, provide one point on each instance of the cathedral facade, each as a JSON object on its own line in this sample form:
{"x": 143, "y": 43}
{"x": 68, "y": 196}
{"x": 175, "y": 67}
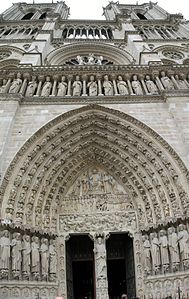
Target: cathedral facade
{"x": 94, "y": 153}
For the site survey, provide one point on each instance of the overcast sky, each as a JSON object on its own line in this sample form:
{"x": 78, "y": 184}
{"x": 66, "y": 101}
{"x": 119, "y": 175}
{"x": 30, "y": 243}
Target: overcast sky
{"x": 92, "y": 9}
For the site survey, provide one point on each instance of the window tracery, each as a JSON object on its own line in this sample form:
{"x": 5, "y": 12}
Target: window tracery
{"x": 87, "y": 33}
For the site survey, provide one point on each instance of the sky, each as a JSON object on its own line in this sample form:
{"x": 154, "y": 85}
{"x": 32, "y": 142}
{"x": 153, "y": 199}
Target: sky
{"x": 92, "y": 9}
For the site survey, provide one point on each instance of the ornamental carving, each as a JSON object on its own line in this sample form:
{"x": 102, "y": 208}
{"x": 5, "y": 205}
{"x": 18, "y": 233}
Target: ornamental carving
{"x": 4, "y": 55}
{"x": 175, "y": 55}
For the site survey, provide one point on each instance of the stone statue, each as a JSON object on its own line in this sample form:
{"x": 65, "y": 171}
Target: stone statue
{"x": 163, "y": 241}
{"x": 16, "y": 254}
{"x": 136, "y": 85}
{"x": 122, "y": 86}
{"x": 80, "y": 60}
{"x": 166, "y": 81}
{"x": 181, "y": 83}
{"x": 183, "y": 239}
{"x": 26, "y": 250}
{"x": 52, "y": 260}
{"x": 77, "y": 86}
{"x": 35, "y": 257}
{"x": 44, "y": 250}
{"x": 108, "y": 86}
{"x": 3, "y": 87}
{"x": 152, "y": 88}
{"x": 173, "y": 248}
{"x": 16, "y": 84}
{"x": 147, "y": 255}
{"x": 91, "y": 59}
{"x": 46, "y": 90}
{"x": 92, "y": 86}
{"x": 100, "y": 253}
{"x": 4, "y": 253}
{"x": 62, "y": 87}
{"x": 155, "y": 250}
{"x": 99, "y": 60}
{"x": 32, "y": 85}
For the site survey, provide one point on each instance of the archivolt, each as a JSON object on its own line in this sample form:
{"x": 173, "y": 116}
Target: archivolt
{"x": 52, "y": 159}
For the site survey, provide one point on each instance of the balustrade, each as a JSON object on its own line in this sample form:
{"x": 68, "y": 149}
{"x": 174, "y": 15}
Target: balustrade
{"x": 93, "y": 85}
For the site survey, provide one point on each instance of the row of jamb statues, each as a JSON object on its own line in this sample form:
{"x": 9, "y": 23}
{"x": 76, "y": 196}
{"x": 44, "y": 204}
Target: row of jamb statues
{"x": 25, "y": 257}
{"x": 92, "y": 87}
{"x": 167, "y": 251}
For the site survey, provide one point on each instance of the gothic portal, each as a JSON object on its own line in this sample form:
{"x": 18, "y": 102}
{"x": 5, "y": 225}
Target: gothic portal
{"x": 94, "y": 116}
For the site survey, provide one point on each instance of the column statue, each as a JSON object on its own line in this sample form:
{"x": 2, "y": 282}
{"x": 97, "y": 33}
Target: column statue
{"x": 180, "y": 82}
{"x": 183, "y": 238}
{"x": 166, "y": 81}
{"x": 3, "y": 86}
{"x": 4, "y": 253}
{"x": 16, "y": 254}
{"x": 92, "y": 86}
{"x": 77, "y": 87}
{"x": 32, "y": 86}
{"x": 155, "y": 250}
{"x": 108, "y": 86}
{"x": 44, "y": 250}
{"x": 122, "y": 86}
{"x": 163, "y": 241}
{"x": 62, "y": 87}
{"x": 52, "y": 260}
{"x": 152, "y": 88}
{"x": 16, "y": 84}
{"x": 46, "y": 90}
{"x": 26, "y": 261}
{"x": 173, "y": 248}
{"x": 147, "y": 255}
{"x": 35, "y": 257}
{"x": 136, "y": 85}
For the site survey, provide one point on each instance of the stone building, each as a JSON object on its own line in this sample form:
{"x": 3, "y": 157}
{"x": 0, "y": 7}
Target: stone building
{"x": 94, "y": 149}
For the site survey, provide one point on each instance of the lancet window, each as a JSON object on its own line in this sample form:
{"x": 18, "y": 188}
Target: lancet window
{"x": 87, "y": 33}
{"x": 19, "y": 32}
{"x": 159, "y": 32}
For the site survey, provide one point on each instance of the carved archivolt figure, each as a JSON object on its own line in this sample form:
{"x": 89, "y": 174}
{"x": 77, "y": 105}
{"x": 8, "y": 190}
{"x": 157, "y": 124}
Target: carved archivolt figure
{"x": 26, "y": 250}
{"x": 166, "y": 81}
{"x": 62, "y": 87}
{"x": 46, "y": 90}
{"x": 16, "y": 253}
{"x": 35, "y": 256}
{"x": 4, "y": 251}
{"x": 164, "y": 250}
{"x": 32, "y": 85}
{"x": 16, "y": 84}
{"x": 122, "y": 86}
{"x": 108, "y": 86}
{"x": 92, "y": 86}
{"x": 77, "y": 86}
{"x": 155, "y": 250}
{"x": 53, "y": 259}
{"x": 183, "y": 238}
{"x": 100, "y": 252}
{"x": 3, "y": 87}
{"x": 152, "y": 88}
{"x": 147, "y": 255}
{"x": 44, "y": 249}
{"x": 173, "y": 248}
{"x": 136, "y": 85}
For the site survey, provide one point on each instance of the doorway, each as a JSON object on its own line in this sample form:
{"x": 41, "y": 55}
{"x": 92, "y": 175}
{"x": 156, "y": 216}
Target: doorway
{"x": 120, "y": 266}
{"x": 80, "y": 267}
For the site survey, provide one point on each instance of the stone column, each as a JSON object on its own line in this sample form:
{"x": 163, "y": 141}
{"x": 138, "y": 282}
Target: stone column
{"x": 98, "y": 76}
{"x": 41, "y": 78}
{"x": 61, "y": 266}
{"x": 113, "y": 76}
{"x": 24, "y": 84}
{"x": 84, "y": 78}
{"x": 157, "y": 80}
{"x": 54, "y": 85}
{"x": 127, "y": 78}
{"x": 101, "y": 278}
{"x": 70, "y": 77}
{"x": 141, "y": 77}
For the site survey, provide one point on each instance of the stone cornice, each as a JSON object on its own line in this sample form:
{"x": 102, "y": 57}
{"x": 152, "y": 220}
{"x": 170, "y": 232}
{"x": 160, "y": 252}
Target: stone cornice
{"x": 18, "y": 23}
{"x": 77, "y": 22}
{"x": 82, "y": 40}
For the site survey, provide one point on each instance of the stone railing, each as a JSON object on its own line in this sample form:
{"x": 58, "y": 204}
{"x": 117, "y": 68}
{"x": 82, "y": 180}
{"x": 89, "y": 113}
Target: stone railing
{"x": 86, "y": 81}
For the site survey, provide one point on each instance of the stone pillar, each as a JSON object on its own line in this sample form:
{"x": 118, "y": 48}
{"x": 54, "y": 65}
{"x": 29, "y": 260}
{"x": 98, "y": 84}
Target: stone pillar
{"x": 61, "y": 266}
{"x": 113, "y": 76}
{"x": 157, "y": 80}
{"x": 141, "y": 77}
{"x": 41, "y": 78}
{"x": 70, "y": 77}
{"x": 98, "y": 76}
{"x": 54, "y": 85}
{"x": 101, "y": 279}
{"x": 84, "y": 78}
{"x": 24, "y": 84}
{"x": 127, "y": 78}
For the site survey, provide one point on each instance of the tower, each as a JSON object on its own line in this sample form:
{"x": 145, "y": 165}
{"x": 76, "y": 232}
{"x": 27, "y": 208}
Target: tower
{"x": 94, "y": 153}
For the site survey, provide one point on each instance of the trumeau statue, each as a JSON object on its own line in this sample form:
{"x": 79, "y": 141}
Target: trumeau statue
{"x": 122, "y": 86}
{"x": 155, "y": 250}
{"x": 92, "y": 86}
{"x": 46, "y": 90}
{"x": 44, "y": 250}
{"x": 166, "y": 81}
{"x": 108, "y": 86}
{"x": 77, "y": 86}
{"x": 147, "y": 254}
{"x": 173, "y": 248}
{"x": 16, "y": 253}
{"x": 4, "y": 252}
{"x": 100, "y": 254}
{"x": 62, "y": 87}
{"x": 163, "y": 241}
{"x": 32, "y": 85}
{"x": 16, "y": 84}
{"x": 35, "y": 256}
{"x": 136, "y": 85}
{"x": 26, "y": 250}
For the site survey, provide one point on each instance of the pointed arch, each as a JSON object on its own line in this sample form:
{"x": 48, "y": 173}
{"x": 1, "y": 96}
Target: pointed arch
{"x": 136, "y": 156}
